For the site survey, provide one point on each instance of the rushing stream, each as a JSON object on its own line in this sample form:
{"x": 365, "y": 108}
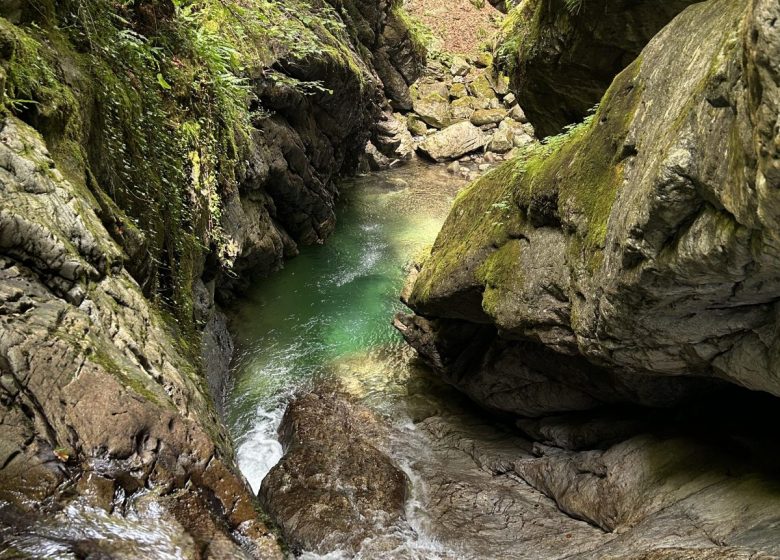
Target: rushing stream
{"x": 328, "y": 315}
{"x": 328, "y": 312}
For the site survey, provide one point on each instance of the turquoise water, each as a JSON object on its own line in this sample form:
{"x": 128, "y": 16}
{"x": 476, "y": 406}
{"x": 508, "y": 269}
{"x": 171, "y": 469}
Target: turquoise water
{"x": 328, "y": 313}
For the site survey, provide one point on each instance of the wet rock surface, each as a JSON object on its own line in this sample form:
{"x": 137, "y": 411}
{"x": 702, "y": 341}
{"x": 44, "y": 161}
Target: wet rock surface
{"x": 80, "y": 396}
{"x": 335, "y": 486}
{"x": 615, "y": 483}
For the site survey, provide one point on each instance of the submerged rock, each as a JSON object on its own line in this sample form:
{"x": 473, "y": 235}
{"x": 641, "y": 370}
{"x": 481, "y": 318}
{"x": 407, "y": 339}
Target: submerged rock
{"x": 334, "y": 487}
{"x": 453, "y": 142}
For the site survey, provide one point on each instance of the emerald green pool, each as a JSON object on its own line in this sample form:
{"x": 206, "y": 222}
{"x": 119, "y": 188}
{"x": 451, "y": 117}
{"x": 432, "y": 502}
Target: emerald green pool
{"x": 328, "y": 313}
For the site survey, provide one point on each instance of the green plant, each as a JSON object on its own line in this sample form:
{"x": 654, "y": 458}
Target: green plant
{"x": 574, "y": 6}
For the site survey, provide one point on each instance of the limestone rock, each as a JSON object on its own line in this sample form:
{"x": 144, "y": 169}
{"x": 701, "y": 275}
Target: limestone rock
{"x": 517, "y": 113}
{"x": 483, "y": 59}
{"x": 458, "y": 90}
{"x": 333, "y": 487}
{"x": 431, "y": 104}
{"x": 460, "y": 66}
{"x": 462, "y": 109}
{"x": 500, "y": 83}
{"x": 481, "y": 87}
{"x": 562, "y": 61}
{"x": 453, "y": 142}
{"x": 92, "y": 378}
{"x": 376, "y": 160}
{"x": 637, "y": 260}
{"x": 488, "y": 116}
{"x": 502, "y": 141}
{"x": 392, "y": 138}
{"x": 416, "y": 126}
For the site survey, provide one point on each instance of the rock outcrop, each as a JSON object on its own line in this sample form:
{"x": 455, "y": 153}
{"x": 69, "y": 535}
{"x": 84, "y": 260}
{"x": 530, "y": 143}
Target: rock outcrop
{"x": 151, "y": 164}
{"x": 468, "y": 109}
{"x": 634, "y": 259}
{"x": 334, "y": 487}
{"x": 94, "y": 386}
{"x": 562, "y": 55}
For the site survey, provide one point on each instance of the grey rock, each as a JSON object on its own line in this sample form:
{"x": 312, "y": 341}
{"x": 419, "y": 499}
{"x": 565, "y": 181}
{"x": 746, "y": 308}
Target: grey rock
{"x": 672, "y": 292}
{"x": 462, "y": 109}
{"x": 458, "y": 90}
{"x": 431, "y": 104}
{"x": 564, "y": 60}
{"x": 376, "y": 160}
{"x": 502, "y": 141}
{"x": 481, "y": 87}
{"x": 92, "y": 377}
{"x": 392, "y": 138}
{"x": 416, "y": 126}
{"x": 453, "y": 142}
{"x": 460, "y": 66}
{"x": 482, "y": 117}
{"x": 517, "y": 114}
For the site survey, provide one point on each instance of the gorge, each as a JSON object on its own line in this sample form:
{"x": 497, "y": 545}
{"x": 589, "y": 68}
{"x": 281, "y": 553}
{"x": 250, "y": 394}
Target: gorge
{"x": 210, "y": 208}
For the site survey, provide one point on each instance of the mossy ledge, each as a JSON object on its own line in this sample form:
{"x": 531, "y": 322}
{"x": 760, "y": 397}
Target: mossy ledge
{"x": 622, "y": 240}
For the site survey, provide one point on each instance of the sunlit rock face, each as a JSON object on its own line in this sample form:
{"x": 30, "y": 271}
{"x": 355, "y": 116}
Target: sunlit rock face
{"x": 636, "y": 258}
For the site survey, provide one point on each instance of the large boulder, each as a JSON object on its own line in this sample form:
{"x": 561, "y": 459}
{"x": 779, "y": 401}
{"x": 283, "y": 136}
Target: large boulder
{"x": 453, "y": 142}
{"x": 92, "y": 380}
{"x": 431, "y": 101}
{"x": 562, "y": 57}
{"x": 635, "y": 259}
{"x": 334, "y": 487}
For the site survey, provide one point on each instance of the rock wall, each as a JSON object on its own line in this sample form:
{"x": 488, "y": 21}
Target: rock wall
{"x": 614, "y": 293}
{"x": 634, "y": 259}
{"x": 146, "y": 172}
{"x": 562, "y": 56}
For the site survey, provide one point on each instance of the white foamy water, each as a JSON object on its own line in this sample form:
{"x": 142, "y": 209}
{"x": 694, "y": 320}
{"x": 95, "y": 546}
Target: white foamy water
{"x": 144, "y": 532}
{"x": 261, "y": 449}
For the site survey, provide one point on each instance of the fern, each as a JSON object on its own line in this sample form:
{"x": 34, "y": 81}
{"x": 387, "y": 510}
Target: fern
{"x": 574, "y": 6}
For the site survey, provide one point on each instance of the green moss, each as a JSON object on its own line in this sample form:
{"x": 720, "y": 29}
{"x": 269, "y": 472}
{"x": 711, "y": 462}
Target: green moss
{"x": 500, "y": 272}
{"x": 584, "y": 167}
{"x": 482, "y": 215}
{"x": 519, "y": 34}
{"x": 580, "y": 170}
{"x": 423, "y": 39}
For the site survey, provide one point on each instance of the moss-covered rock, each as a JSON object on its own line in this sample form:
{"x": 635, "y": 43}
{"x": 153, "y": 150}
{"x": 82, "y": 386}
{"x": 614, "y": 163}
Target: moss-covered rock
{"x": 154, "y": 155}
{"x": 637, "y": 252}
{"x": 562, "y": 55}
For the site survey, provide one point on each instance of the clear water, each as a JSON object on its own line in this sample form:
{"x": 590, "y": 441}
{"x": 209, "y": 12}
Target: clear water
{"x": 328, "y": 313}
